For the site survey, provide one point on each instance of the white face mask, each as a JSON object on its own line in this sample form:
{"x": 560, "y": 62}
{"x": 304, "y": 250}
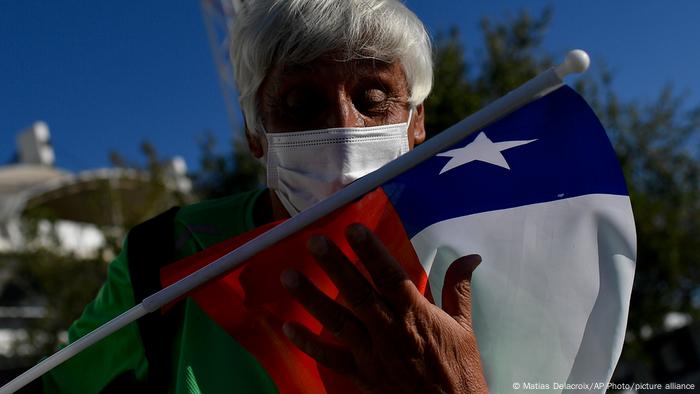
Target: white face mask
{"x": 304, "y": 167}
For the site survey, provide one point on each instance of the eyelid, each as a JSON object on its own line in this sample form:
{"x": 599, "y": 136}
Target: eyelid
{"x": 295, "y": 99}
{"x": 375, "y": 93}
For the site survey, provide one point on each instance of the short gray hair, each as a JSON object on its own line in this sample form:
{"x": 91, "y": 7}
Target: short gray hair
{"x": 268, "y": 33}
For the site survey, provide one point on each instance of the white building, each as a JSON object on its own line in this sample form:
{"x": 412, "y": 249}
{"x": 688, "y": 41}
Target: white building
{"x": 81, "y": 205}
{"x": 72, "y": 213}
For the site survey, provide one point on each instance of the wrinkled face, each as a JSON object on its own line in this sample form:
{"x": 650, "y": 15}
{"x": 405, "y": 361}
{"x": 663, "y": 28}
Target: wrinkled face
{"x": 329, "y": 93}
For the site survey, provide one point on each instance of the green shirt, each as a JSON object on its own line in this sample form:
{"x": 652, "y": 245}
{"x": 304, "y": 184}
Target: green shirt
{"x": 205, "y": 358}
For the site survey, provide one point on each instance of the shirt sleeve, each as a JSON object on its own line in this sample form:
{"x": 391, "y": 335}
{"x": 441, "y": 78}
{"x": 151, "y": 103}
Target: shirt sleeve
{"x": 120, "y": 353}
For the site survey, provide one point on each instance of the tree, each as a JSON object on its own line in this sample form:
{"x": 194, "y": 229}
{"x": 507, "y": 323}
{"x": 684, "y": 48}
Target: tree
{"x": 159, "y": 188}
{"x": 463, "y": 86}
{"x": 57, "y": 284}
{"x": 225, "y": 174}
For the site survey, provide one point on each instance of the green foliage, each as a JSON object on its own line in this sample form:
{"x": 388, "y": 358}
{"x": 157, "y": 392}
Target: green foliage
{"x": 513, "y": 53}
{"x": 49, "y": 280}
{"x": 464, "y": 84}
{"x": 453, "y": 96}
{"x": 62, "y": 284}
{"x": 155, "y": 195}
{"x": 224, "y": 174}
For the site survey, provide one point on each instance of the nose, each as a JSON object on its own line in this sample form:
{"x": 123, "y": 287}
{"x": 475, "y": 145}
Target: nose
{"x": 341, "y": 112}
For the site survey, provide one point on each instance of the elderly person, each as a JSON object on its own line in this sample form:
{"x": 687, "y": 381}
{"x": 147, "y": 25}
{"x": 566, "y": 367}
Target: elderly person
{"x": 330, "y": 90}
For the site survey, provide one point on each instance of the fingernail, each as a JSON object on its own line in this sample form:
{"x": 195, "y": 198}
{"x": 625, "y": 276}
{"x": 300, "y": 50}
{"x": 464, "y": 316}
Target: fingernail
{"x": 473, "y": 261}
{"x": 318, "y": 245}
{"x": 357, "y": 232}
{"x": 290, "y": 279}
{"x": 288, "y": 330}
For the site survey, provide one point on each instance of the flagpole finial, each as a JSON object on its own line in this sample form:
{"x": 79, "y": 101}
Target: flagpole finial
{"x": 576, "y": 61}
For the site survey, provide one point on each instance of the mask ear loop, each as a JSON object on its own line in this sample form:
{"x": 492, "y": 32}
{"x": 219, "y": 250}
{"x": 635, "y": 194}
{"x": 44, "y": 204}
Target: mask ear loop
{"x": 408, "y": 123}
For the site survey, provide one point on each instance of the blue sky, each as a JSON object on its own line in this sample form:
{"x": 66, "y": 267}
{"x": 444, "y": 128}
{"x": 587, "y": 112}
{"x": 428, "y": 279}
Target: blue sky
{"x": 105, "y": 75}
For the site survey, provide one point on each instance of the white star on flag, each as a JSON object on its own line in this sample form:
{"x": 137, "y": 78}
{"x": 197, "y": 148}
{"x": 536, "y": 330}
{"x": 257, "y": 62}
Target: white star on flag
{"x": 481, "y": 149}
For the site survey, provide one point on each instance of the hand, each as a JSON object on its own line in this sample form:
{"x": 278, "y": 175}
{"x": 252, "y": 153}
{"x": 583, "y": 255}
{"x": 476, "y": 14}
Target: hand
{"x": 392, "y": 339}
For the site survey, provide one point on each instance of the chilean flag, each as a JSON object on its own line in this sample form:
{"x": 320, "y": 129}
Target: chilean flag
{"x": 538, "y": 194}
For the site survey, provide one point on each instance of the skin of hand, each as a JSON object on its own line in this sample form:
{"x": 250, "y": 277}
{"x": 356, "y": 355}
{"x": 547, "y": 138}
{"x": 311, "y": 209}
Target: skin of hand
{"x": 391, "y": 339}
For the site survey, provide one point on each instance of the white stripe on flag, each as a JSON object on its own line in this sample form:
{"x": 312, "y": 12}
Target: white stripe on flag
{"x": 553, "y": 287}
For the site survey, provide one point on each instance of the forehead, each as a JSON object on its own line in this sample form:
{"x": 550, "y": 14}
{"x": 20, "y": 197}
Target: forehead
{"x": 326, "y": 70}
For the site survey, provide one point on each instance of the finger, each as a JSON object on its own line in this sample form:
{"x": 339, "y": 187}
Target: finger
{"x": 355, "y": 288}
{"x": 333, "y": 316}
{"x": 389, "y": 277}
{"x": 457, "y": 289}
{"x": 333, "y": 356}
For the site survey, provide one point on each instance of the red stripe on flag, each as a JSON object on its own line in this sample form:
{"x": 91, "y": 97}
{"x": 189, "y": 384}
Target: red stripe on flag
{"x": 251, "y": 305}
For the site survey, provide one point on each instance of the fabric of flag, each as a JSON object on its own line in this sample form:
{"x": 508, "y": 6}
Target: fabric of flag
{"x": 539, "y": 194}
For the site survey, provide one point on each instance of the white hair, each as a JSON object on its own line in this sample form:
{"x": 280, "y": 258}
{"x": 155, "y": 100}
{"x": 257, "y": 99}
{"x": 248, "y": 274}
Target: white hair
{"x": 269, "y": 33}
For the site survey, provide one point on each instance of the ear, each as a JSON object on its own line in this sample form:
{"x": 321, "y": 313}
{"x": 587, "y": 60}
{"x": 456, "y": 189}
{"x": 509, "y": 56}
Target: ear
{"x": 254, "y": 142}
{"x": 416, "y": 129}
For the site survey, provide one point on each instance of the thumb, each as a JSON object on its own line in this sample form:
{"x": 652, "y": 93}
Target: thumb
{"x": 457, "y": 289}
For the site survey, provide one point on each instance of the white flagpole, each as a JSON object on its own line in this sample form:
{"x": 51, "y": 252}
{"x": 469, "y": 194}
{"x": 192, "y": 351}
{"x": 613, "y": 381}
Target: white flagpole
{"x": 577, "y": 61}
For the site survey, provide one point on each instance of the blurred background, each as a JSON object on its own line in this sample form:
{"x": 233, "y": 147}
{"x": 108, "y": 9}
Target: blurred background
{"x": 113, "y": 111}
